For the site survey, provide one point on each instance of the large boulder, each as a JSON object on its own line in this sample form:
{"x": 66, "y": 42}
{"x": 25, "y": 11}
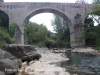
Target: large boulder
{"x": 2, "y": 73}
{"x": 24, "y": 52}
{"x": 9, "y": 64}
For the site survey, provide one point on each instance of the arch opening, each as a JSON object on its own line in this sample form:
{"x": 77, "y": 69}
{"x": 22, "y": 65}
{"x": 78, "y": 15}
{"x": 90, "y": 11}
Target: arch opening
{"x": 4, "y": 19}
{"x": 90, "y": 31}
{"x": 59, "y": 13}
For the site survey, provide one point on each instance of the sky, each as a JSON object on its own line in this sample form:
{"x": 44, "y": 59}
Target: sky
{"x": 44, "y": 18}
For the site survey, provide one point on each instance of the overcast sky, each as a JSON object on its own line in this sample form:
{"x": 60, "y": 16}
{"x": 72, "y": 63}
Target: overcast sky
{"x": 44, "y": 18}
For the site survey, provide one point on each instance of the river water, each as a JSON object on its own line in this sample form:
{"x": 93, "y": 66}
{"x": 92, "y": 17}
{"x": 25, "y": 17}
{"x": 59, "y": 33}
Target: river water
{"x": 81, "y": 64}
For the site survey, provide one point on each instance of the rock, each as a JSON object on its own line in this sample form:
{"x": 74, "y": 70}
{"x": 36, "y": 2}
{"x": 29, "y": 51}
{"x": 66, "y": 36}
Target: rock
{"x": 24, "y": 64}
{"x": 24, "y": 52}
{"x": 2, "y": 73}
{"x": 8, "y": 63}
{"x": 22, "y": 72}
{"x": 31, "y": 57}
{"x": 31, "y": 62}
{"x": 29, "y": 70}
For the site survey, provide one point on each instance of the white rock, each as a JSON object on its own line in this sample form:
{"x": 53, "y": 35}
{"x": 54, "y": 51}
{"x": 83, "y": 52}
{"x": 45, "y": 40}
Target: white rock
{"x": 22, "y": 72}
{"x": 24, "y": 64}
{"x": 28, "y": 69}
{"x": 31, "y": 62}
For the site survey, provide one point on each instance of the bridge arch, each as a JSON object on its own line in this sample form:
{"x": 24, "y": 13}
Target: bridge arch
{"x": 4, "y": 19}
{"x": 49, "y": 10}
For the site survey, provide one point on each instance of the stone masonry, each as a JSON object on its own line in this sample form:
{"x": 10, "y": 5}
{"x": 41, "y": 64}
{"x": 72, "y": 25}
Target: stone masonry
{"x": 73, "y": 13}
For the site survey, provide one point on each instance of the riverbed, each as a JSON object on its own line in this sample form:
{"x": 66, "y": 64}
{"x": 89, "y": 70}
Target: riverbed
{"x": 68, "y": 63}
{"x": 45, "y": 65}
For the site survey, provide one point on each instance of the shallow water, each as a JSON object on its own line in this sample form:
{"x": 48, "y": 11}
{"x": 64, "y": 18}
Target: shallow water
{"x": 81, "y": 64}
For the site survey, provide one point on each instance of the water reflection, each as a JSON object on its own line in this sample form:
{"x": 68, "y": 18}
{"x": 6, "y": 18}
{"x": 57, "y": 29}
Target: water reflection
{"x": 81, "y": 64}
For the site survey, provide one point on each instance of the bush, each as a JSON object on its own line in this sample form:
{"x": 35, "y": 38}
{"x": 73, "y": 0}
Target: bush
{"x": 98, "y": 48}
{"x": 12, "y": 29}
{"x": 4, "y": 38}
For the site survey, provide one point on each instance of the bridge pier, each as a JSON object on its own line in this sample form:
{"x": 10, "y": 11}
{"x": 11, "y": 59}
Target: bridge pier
{"x": 19, "y": 35}
{"x": 22, "y": 38}
{"x": 22, "y": 33}
{"x": 76, "y": 39}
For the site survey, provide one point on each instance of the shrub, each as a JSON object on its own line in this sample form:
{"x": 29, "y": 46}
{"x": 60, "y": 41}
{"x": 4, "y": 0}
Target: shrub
{"x": 4, "y": 38}
{"x": 12, "y": 29}
{"x": 98, "y": 48}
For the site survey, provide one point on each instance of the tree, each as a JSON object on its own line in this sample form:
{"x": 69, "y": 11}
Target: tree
{"x": 95, "y": 13}
{"x": 1, "y": 0}
{"x": 81, "y": 1}
{"x": 96, "y": 1}
{"x": 62, "y": 31}
{"x": 12, "y": 29}
{"x": 90, "y": 33}
{"x": 30, "y": 30}
{"x": 4, "y": 38}
{"x": 41, "y": 33}
{"x": 35, "y": 33}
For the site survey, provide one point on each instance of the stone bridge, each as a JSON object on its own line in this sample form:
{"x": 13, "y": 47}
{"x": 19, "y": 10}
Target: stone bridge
{"x": 73, "y": 13}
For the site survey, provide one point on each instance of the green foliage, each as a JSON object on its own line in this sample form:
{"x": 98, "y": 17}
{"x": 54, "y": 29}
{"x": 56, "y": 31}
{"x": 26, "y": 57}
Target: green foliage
{"x": 96, "y": 10}
{"x": 81, "y": 1}
{"x": 95, "y": 13}
{"x": 92, "y": 33}
{"x": 1, "y": 0}
{"x": 96, "y": 1}
{"x": 12, "y": 29}
{"x": 62, "y": 31}
{"x": 89, "y": 32}
{"x": 4, "y": 26}
{"x": 35, "y": 33}
{"x": 97, "y": 48}
{"x": 4, "y": 38}
{"x": 41, "y": 33}
{"x": 51, "y": 37}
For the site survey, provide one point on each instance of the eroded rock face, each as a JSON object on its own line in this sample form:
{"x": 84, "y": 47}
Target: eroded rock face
{"x": 24, "y": 52}
{"x": 9, "y": 64}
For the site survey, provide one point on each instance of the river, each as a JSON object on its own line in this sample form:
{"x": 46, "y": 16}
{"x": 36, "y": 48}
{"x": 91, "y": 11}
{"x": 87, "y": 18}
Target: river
{"x": 81, "y": 64}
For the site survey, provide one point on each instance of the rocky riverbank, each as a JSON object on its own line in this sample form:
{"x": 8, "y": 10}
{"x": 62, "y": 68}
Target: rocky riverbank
{"x": 44, "y": 66}
{"x": 8, "y": 63}
{"x": 88, "y": 50}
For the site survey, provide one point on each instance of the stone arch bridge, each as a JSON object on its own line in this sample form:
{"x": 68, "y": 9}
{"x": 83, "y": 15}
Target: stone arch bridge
{"x": 21, "y": 12}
